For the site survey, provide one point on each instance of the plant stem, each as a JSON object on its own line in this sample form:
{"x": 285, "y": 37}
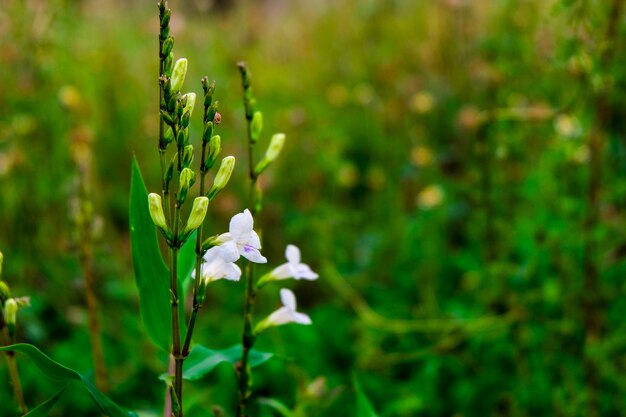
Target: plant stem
{"x": 176, "y": 351}
{"x": 247, "y": 336}
{"x": 92, "y": 310}
{"x": 14, "y": 374}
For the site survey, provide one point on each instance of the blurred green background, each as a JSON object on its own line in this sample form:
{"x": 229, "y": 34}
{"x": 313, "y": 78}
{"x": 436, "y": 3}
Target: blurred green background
{"x": 455, "y": 170}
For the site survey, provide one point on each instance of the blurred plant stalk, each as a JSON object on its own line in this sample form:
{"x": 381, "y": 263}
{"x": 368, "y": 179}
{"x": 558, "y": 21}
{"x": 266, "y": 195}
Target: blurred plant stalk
{"x": 592, "y": 303}
{"x": 86, "y": 229}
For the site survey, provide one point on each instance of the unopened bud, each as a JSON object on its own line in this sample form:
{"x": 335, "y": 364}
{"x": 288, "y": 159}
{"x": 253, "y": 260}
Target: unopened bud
{"x": 222, "y": 177}
{"x": 1, "y": 260}
{"x": 156, "y": 212}
{"x": 198, "y": 212}
{"x": 168, "y": 137}
{"x": 208, "y": 132}
{"x": 272, "y": 152}
{"x": 213, "y": 152}
{"x": 168, "y": 65}
{"x": 165, "y": 18}
{"x": 5, "y": 293}
{"x": 10, "y": 314}
{"x": 191, "y": 102}
{"x": 168, "y": 45}
{"x": 187, "y": 179}
{"x": 169, "y": 173}
{"x": 217, "y": 119}
{"x": 178, "y": 74}
{"x": 256, "y": 126}
{"x": 187, "y": 156}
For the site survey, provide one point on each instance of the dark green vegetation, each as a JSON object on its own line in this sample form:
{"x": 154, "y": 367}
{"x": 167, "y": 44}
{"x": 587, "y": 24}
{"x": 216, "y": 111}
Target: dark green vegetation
{"x": 454, "y": 170}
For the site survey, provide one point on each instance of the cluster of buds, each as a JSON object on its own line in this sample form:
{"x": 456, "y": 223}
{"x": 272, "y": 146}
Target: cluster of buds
{"x": 9, "y": 305}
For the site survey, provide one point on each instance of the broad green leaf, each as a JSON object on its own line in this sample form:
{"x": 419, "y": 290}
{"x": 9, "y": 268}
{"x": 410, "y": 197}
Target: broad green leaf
{"x": 363, "y": 406}
{"x": 277, "y": 406}
{"x": 151, "y": 273}
{"x": 202, "y": 360}
{"x": 187, "y": 259}
{"x": 60, "y": 373}
{"x": 43, "y": 409}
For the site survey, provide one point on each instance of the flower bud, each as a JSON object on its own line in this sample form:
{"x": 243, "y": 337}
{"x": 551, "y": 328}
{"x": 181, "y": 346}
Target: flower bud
{"x": 187, "y": 156}
{"x": 168, "y": 45}
{"x": 1, "y": 260}
{"x": 256, "y": 126}
{"x": 178, "y": 74}
{"x": 187, "y": 179}
{"x": 165, "y": 18}
{"x": 168, "y": 65}
{"x": 276, "y": 145}
{"x": 208, "y": 132}
{"x": 198, "y": 212}
{"x": 5, "y": 293}
{"x": 191, "y": 102}
{"x": 217, "y": 119}
{"x": 213, "y": 152}
{"x": 222, "y": 177}
{"x": 169, "y": 173}
{"x": 10, "y": 314}
{"x": 156, "y": 212}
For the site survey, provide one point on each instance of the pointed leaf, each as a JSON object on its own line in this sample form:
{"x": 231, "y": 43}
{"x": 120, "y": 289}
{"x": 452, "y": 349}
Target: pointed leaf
{"x": 58, "y": 372}
{"x": 202, "y": 360}
{"x": 363, "y": 406}
{"x": 43, "y": 409}
{"x": 277, "y": 406}
{"x": 151, "y": 273}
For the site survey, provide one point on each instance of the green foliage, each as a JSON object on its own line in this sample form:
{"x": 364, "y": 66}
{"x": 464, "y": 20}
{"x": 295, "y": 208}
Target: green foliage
{"x": 202, "y": 360}
{"x": 63, "y": 375}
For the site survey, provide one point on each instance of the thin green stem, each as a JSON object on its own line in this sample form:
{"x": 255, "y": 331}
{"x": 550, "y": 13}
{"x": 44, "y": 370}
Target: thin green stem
{"x": 14, "y": 373}
{"x": 176, "y": 351}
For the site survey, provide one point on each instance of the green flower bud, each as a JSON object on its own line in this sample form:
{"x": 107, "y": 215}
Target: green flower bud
{"x": 168, "y": 65}
{"x": 187, "y": 179}
{"x": 166, "y": 118}
{"x": 10, "y": 314}
{"x": 214, "y": 151}
{"x": 168, "y": 137}
{"x": 272, "y": 152}
{"x": 187, "y": 156}
{"x": 168, "y": 45}
{"x": 178, "y": 74}
{"x": 165, "y": 18}
{"x": 157, "y": 214}
{"x": 256, "y": 126}
{"x": 208, "y": 132}
{"x": 222, "y": 177}
{"x": 5, "y": 293}
{"x": 191, "y": 102}
{"x": 169, "y": 173}
{"x": 198, "y": 212}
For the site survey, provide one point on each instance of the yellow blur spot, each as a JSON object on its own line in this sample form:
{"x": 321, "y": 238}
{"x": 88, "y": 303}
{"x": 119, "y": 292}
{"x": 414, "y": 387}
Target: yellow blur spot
{"x": 69, "y": 96}
{"x": 422, "y": 102}
{"x": 430, "y": 197}
{"x": 421, "y": 156}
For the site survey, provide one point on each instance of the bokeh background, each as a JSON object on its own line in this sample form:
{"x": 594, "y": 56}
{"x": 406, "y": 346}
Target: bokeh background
{"x": 455, "y": 170}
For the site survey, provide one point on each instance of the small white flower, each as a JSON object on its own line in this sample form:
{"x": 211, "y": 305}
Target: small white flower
{"x": 243, "y": 237}
{"x": 293, "y": 268}
{"x": 286, "y": 314}
{"x": 218, "y": 264}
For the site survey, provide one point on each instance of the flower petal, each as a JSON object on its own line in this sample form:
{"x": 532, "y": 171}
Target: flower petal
{"x": 292, "y": 253}
{"x": 232, "y": 272}
{"x": 301, "y": 318}
{"x": 254, "y": 240}
{"x": 241, "y": 225}
{"x": 281, "y": 316}
{"x": 282, "y": 271}
{"x": 228, "y": 251}
{"x": 252, "y": 254}
{"x": 288, "y": 298}
{"x": 303, "y": 271}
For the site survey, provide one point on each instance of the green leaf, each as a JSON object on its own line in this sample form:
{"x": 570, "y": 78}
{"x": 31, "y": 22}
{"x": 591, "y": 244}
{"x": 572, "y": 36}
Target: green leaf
{"x": 186, "y": 264}
{"x": 202, "y": 360}
{"x": 277, "y": 406}
{"x": 60, "y": 373}
{"x": 151, "y": 273}
{"x": 46, "y": 407}
{"x": 363, "y": 406}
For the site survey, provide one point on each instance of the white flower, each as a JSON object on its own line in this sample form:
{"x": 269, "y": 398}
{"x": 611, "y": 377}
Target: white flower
{"x": 218, "y": 264}
{"x": 241, "y": 235}
{"x": 293, "y": 268}
{"x": 286, "y": 314}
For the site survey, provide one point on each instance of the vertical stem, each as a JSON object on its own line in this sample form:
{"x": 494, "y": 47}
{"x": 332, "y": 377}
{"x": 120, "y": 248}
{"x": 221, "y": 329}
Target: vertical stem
{"x": 176, "y": 351}
{"x": 14, "y": 374}
{"x": 92, "y": 309}
{"x": 592, "y": 304}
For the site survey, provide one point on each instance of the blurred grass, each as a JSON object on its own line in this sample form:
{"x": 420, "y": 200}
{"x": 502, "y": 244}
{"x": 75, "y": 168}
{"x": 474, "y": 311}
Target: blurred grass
{"x": 435, "y": 173}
